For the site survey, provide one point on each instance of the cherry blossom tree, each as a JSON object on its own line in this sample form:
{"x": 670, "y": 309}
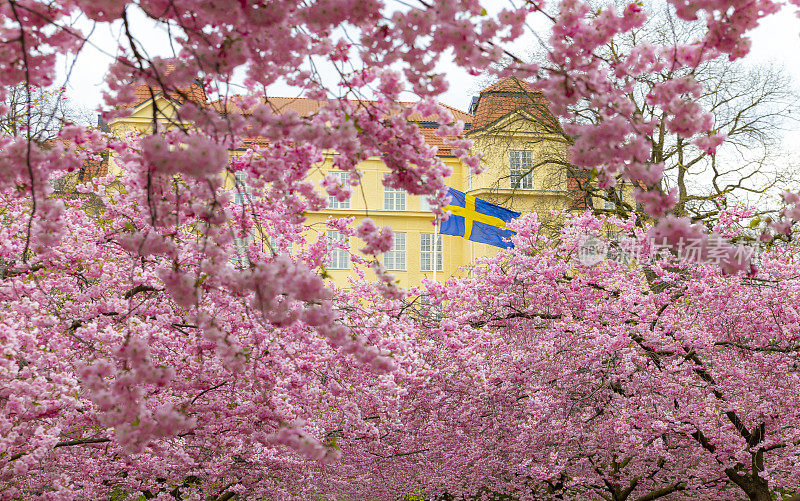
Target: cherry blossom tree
{"x": 143, "y": 355}
{"x": 548, "y": 379}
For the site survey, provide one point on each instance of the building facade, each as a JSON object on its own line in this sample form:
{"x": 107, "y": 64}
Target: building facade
{"x": 526, "y": 169}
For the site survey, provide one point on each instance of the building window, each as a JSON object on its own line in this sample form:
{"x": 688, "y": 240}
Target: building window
{"x": 613, "y": 196}
{"x": 424, "y": 205}
{"x": 333, "y": 203}
{"x": 427, "y": 254}
{"x": 394, "y": 199}
{"x": 521, "y": 169}
{"x": 395, "y": 258}
{"x": 280, "y": 245}
{"x": 339, "y": 258}
{"x": 240, "y": 185}
{"x": 242, "y": 245}
{"x": 427, "y": 311}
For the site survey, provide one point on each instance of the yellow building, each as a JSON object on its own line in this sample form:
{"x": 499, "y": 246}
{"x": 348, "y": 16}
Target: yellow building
{"x": 526, "y": 169}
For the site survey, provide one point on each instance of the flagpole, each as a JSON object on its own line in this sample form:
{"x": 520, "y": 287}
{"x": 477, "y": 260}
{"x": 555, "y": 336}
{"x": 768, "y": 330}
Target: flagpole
{"x": 471, "y": 258}
{"x": 435, "y": 249}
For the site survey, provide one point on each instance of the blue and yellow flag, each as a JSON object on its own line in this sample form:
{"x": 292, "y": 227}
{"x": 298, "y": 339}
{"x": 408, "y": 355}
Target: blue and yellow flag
{"x": 478, "y": 220}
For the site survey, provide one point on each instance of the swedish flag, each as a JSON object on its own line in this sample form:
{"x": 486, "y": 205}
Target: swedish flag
{"x": 478, "y": 220}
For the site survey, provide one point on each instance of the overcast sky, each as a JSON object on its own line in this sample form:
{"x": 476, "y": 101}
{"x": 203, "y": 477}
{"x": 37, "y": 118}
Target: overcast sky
{"x": 776, "y": 40}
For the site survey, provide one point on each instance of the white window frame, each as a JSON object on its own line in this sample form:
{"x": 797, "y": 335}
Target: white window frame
{"x": 395, "y": 258}
{"x": 275, "y": 245}
{"x": 242, "y": 191}
{"x": 333, "y": 202}
{"x": 339, "y": 258}
{"x": 394, "y": 199}
{"x": 426, "y": 310}
{"x": 427, "y": 254}
{"x": 242, "y": 245}
{"x": 520, "y": 168}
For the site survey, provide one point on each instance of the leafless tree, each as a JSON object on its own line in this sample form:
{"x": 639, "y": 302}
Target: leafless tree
{"x": 43, "y": 111}
{"x": 751, "y": 105}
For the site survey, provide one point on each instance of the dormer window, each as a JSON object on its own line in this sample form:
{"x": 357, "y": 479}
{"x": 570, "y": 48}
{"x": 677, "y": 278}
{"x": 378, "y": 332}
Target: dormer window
{"x": 521, "y": 169}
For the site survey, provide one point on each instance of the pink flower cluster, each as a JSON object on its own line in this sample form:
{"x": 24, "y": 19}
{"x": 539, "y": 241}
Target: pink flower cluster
{"x": 157, "y": 338}
{"x": 378, "y": 240}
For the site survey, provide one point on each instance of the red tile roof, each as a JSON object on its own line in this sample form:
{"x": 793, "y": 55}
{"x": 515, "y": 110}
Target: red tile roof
{"x": 507, "y": 96}
{"x": 496, "y": 101}
{"x": 306, "y": 107}
{"x": 510, "y": 84}
{"x": 143, "y": 92}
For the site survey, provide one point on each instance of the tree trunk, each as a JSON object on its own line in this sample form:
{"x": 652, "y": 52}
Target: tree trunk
{"x": 754, "y": 486}
{"x": 761, "y": 494}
